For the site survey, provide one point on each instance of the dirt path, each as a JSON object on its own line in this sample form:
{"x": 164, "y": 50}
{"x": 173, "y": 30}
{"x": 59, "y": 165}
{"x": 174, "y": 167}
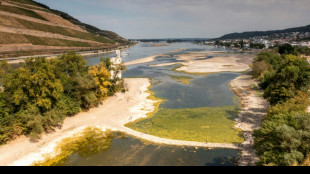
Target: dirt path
{"x": 254, "y": 108}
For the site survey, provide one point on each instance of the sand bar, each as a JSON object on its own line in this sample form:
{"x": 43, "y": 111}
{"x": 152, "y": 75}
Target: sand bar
{"x": 254, "y": 108}
{"x": 197, "y": 62}
{"x": 148, "y": 59}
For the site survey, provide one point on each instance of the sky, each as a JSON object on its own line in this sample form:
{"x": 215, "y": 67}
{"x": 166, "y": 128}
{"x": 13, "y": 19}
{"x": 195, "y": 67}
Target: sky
{"x": 145, "y": 19}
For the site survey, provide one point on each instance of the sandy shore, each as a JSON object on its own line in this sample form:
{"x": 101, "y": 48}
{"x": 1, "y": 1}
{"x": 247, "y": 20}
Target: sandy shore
{"x": 254, "y": 108}
{"x": 197, "y": 62}
{"x": 148, "y": 59}
{"x": 53, "y": 56}
{"x": 235, "y": 63}
{"x": 121, "y": 109}
{"x": 141, "y": 61}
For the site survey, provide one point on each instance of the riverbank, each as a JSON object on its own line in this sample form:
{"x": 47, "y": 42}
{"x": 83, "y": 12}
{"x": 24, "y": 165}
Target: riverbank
{"x": 119, "y": 109}
{"x": 148, "y": 59}
{"x": 130, "y": 106}
{"x": 254, "y": 108}
{"x": 204, "y": 61}
{"x": 16, "y": 60}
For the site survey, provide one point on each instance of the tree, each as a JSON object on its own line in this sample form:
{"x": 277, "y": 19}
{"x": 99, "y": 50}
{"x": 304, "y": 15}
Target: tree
{"x": 293, "y": 76}
{"x": 35, "y": 82}
{"x": 286, "y": 49}
{"x": 101, "y": 76}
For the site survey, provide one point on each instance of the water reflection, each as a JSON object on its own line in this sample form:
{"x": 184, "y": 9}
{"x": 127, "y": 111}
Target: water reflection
{"x": 129, "y": 151}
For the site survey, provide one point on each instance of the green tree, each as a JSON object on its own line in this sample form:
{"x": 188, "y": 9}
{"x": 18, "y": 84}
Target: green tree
{"x": 34, "y": 83}
{"x": 293, "y": 76}
{"x": 286, "y": 49}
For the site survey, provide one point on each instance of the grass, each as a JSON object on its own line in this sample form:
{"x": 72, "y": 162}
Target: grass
{"x": 21, "y": 11}
{"x": 86, "y": 143}
{"x": 212, "y": 124}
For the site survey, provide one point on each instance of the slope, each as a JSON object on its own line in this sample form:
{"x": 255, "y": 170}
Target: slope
{"x": 28, "y": 27}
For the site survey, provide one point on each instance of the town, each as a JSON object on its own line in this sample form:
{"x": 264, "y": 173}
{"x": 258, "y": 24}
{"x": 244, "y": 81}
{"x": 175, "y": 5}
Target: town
{"x": 301, "y": 39}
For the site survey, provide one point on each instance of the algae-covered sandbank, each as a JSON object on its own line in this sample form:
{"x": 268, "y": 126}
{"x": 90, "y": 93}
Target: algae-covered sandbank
{"x": 208, "y": 124}
{"x": 202, "y": 111}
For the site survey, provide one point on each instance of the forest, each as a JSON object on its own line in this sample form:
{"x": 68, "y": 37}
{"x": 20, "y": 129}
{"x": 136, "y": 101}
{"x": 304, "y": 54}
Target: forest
{"x": 284, "y": 136}
{"x": 41, "y": 93}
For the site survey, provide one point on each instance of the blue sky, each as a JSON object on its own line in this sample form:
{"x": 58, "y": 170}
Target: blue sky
{"x": 142, "y": 19}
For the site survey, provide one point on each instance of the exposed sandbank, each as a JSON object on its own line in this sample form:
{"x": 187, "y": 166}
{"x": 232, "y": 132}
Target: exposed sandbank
{"x": 132, "y": 105}
{"x": 148, "y": 59}
{"x": 254, "y": 108}
{"x": 196, "y": 62}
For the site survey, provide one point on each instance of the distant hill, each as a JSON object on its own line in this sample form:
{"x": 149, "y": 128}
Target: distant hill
{"x": 28, "y": 27}
{"x": 251, "y": 34}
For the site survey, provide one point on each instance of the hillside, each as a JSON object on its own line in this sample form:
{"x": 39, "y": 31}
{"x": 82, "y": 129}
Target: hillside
{"x": 251, "y": 34}
{"x": 28, "y": 27}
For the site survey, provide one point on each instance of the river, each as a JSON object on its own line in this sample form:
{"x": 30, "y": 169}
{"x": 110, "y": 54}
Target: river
{"x": 197, "y": 107}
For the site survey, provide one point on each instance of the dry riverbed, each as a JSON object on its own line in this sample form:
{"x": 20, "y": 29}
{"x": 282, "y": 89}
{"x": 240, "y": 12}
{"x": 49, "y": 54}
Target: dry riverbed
{"x": 122, "y": 108}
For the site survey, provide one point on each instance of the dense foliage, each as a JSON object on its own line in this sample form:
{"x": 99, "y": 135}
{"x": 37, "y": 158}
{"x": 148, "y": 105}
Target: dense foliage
{"x": 284, "y": 137}
{"x": 38, "y": 96}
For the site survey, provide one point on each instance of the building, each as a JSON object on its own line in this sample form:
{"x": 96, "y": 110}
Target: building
{"x": 115, "y": 62}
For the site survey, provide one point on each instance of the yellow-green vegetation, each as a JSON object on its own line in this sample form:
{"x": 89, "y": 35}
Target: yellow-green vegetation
{"x": 155, "y": 98}
{"x": 182, "y": 79}
{"x": 212, "y": 124}
{"x": 21, "y": 11}
{"x": 90, "y": 141}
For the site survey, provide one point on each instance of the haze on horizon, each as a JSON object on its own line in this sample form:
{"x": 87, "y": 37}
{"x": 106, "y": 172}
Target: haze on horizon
{"x": 145, "y": 19}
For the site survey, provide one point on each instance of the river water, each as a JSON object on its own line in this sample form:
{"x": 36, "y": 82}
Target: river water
{"x": 181, "y": 91}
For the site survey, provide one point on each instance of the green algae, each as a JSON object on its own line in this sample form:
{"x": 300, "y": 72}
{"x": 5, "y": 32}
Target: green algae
{"x": 211, "y": 124}
{"x": 182, "y": 79}
{"x": 90, "y": 141}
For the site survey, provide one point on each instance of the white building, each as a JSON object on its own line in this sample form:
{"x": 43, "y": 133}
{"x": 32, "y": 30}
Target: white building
{"x": 116, "y": 61}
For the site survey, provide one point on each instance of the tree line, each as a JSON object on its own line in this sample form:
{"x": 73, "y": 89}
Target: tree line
{"x": 38, "y": 95}
{"x": 284, "y": 136}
